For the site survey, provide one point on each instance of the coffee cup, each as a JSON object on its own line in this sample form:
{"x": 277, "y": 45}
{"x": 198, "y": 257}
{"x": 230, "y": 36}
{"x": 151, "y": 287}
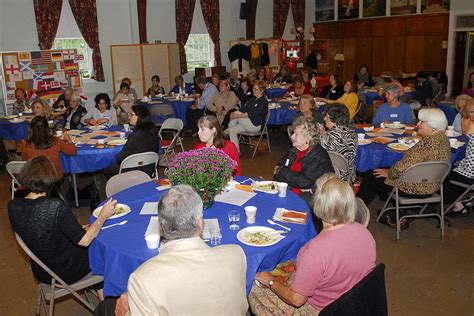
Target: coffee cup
{"x": 282, "y": 188}
{"x": 152, "y": 241}
{"x": 361, "y": 135}
{"x": 453, "y": 141}
{"x": 397, "y": 124}
{"x": 251, "y": 214}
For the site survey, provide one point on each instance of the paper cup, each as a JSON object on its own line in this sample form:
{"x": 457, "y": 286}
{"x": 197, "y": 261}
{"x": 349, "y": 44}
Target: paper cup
{"x": 251, "y": 214}
{"x": 122, "y": 135}
{"x": 126, "y": 127}
{"x": 450, "y": 133}
{"x": 361, "y": 135}
{"x": 59, "y": 133}
{"x": 282, "y": 188}
{"x": 453, "y": 141}
{"x": 397, "y": 124}
{"x": 152, "y": 241}
{"x": 101, "y": 141}
{"x": 450, "y": 128}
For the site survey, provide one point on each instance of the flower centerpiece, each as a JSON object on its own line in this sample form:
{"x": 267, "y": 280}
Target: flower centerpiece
{"x": 206, "y": 169}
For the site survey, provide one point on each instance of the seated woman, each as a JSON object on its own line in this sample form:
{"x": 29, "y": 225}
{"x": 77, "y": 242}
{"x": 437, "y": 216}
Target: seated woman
{"x": 393, "y": 110}
{"x": 102, "y": 113}
{"x": 123, "y": 103}
{"x": 325, "y": 265}
{"x": 181, "y": 87}
{"x": 48, "y": 227}
{"x": 132, "y": 92}
{"x": 283, "y": 76}
{"x": 41, "y": 108}
{"x": 21, "y": 104}
{"x": 244, "y": 93}
{"x": 363, "y": 78}
{"x": 469, "y": 90}
{"x": 309, "y": 109}
{"x": 309, "y": 81}
{"x": 155, "y": 88}
{"x": 262, "y": 74}
{"x": 433, "y": 146}
{"x": 74, "y": 113}
{"x": 305, "y": 162}
{"x": 250, "y": 117}
{"x": 340, "y": 138}
{"x": 297, "y": 88}
{"x": 334, "y": 90}
{"x": 223, "y": 103}
{"x": 41, "y": 142}
{"x": 350, "y": 98}
{"x": 462, "y": 120}
{"x": 215, "y": 79}
{"x": 210, "y": 135}
{"x": 143, "y": 139}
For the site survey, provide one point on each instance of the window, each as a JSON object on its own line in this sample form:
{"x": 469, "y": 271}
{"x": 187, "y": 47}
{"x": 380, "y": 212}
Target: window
{"x": 199, "y": 51}
{"x": 84, "y": 53}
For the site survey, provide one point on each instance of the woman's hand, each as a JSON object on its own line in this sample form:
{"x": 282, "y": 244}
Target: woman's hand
{"x": 121, "y": 307}
{"x": 235, "y": 115}
{"x": 102, "y": 121}
{"x": 381, "y": 173}
{"x": 92, "y": 122}
{"x": 264, "y": 278}
{"x": 109, "y": 208}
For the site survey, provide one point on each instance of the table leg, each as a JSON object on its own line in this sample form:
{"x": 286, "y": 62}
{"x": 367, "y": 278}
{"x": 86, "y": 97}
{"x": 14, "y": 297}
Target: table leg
{"x": 74, "y": 186}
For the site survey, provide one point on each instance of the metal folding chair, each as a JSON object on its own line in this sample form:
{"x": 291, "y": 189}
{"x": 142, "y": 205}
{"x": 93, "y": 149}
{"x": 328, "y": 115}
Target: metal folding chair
{"x": 168, "y": 151}
{"x": 13, "y": 169}
{"x": 160, "y": 113}
{"x": 125, "y": 180}
{"x": 363, "y": 213}
{"x": 140, "y": 160}
{"x": 424, "y": 172}
{"x": 466, "y": 186}
{"x": 173, "y": 126}
{"x": 339, "y": 162}
{"x": 58, "y": 288}
{"x": 258, "y": 135}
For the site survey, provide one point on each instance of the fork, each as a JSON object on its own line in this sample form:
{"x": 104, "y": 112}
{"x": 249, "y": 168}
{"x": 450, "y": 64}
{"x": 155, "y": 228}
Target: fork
{"x": 116, "y": 224}
{"x": 273, "y": 223}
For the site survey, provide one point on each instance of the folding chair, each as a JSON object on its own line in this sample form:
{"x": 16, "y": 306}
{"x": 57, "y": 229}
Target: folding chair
{"x": 13, "y": 169}
{"x": 258, "y": 135}
{"x": 169, "y": 152}
{"x": 160, "y": 113}
{"x": 359, "y": 117}
{"x": 140, "y": 160}
{"x": 405, "y": 98}
{"x": 58, "y": 288}
{"x": 125, "y": 180}
{"x": 173, "y": 126}
{"x": 424, "y": 172}
{"x": 363, "y": 213}
{"x": 339, "y": 162}
{"x": 466, "y": 186}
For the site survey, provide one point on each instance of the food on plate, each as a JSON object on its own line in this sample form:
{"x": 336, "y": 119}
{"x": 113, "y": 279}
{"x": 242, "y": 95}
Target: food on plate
{"x": 120, "y": 210}
{"x": 260, "y": 238}
{"x": 99, "y": 146}
{"x": 265, "y": 185}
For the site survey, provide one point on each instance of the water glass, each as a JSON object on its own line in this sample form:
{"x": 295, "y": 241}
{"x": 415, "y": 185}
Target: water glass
{"x": 215, "y": 237}
{"x": 234, "y": 219}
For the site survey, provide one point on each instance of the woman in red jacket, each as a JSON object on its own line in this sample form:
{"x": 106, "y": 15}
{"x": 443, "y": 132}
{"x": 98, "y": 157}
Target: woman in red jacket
{"x": 210, "y": 135}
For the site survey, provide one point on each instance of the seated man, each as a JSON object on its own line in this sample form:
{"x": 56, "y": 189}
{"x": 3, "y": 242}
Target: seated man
{"x": 194, "y": 113}
{"x": 187, "y": 277}
{"x": 63, "y": 99}
{"x": 181, "y": 87}
{"x": 393, "y": 110}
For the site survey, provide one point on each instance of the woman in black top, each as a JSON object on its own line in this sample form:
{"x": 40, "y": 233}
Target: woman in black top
{"x": 48, "y": 227}
{"x": 251, "y": 117}
{"x": 155, "y": 88}
{"x": 244, "y": 93}
{"x": 334, "y": 90}
{"x": 143, "y": 139}
{"x": 74, "y": 113}
{"x": 363, "y": 78}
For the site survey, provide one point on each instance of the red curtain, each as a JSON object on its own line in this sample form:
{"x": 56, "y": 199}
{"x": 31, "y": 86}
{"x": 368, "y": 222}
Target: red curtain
{"x": 298, "y": 8}
{"x": 280, "y": 14}
{"x": 85, "y": 13}
{"x": 184, "y": 21}
{"x": 210, "y": 12}
{"x": 47, "y": 13}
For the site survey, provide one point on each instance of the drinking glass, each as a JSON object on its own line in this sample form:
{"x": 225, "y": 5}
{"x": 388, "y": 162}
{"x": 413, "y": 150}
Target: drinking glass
{"x": 234, "y": 219}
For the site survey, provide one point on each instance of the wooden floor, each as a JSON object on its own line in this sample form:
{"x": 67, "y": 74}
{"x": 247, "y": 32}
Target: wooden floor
{"x": 425, "y": 275}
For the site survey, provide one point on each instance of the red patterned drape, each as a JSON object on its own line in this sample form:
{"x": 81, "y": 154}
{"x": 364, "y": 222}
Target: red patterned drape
{"x": 280, "y": 14}
{"x": 47, "y": 13}
{"x": 85, "y": 13}
{"x": 298, "y": 8}
{"x": 210, "y": 12}
{"x": 184, "y": 21}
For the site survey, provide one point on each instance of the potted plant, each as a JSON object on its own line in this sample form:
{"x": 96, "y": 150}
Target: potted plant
{"x": 206, "y": 169}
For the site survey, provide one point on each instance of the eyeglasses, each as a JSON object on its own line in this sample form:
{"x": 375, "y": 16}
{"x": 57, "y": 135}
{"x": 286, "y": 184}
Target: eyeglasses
{"x": 256, "y": 89}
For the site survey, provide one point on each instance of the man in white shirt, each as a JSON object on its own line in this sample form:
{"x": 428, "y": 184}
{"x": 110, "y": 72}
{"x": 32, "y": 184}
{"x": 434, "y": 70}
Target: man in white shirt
{"x": 187, "y": 277}
{"x": 196, "y": 111}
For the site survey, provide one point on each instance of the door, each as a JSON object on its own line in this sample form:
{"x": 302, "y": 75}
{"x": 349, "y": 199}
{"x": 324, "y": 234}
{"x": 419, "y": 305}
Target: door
{"x": 460, "y": 43}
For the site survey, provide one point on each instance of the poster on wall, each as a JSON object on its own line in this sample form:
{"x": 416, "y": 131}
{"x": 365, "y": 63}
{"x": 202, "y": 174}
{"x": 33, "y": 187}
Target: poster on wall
{"x": 348, "y": 9}
{"x": 374, "y": 8}
{"x": 324, "y": 10}
{"x": 433, "y": 6}
{"x": 398, "y": 7}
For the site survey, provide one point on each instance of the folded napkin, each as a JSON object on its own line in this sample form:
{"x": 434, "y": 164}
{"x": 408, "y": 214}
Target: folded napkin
{"x": 288, "y": 216}
{"x": 383, "y": 140}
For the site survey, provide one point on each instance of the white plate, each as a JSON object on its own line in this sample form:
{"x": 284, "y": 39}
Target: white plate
{"x": 28, "y": 112}
{"x": 365, "y": 141}
{"x": 9, "y": 117}
{"x": 391, "y": 125}
{"x": 398, "y": 146}
{"x": 242, "y": 236}
{"x": 453, "y": 134}
{"x": 17, "y": 120}
{"x": 369, "y": 129}
{"x": 96, "y": 127}
{"x": 458, "y": 144}
{"x": 117, "y": 142}
{"x": 320, "y": 103}
{"x": 265, "y": 186}
{"x": 124, "y": 206}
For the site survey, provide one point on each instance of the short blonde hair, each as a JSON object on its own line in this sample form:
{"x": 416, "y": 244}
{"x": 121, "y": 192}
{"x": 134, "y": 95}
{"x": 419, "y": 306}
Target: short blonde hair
{"x": 434, "y": 117}
{"x": 335, "y": 202}
{"x": 312, "y": 103}
{"x": 461, "y": 101}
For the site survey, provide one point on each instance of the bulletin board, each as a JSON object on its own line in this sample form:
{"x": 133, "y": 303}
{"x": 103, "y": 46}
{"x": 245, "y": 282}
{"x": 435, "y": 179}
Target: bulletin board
{"x": 42, "y": 74}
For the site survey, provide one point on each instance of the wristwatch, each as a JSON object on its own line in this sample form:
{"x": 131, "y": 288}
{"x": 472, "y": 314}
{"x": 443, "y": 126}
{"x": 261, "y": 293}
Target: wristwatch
{"x": 271, "y": 283}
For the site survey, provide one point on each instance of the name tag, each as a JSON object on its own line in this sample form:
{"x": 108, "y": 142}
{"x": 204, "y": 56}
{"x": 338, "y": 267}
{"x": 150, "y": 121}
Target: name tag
{"x": 394, "y": 115}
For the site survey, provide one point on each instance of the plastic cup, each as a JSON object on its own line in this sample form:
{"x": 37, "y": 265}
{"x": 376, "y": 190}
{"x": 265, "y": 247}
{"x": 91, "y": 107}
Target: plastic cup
{"x": 361, "y": 135}
{"x": 396, "y": 123}
{"x": 282, "y": 188}
{"x": 122, "y": 135}
{"x": 453, "y": 141}
{"x": 450, "y": 133}
{"x": 450, "y": 128}
{"x": 234, "y": 219}
{"x": 152, "y": 241}
{"x": 215, "y": 237}
{"x": 251, "y": 214}
{"x": 126, "y": 127}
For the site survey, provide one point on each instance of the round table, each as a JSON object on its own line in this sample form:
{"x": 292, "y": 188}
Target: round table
{"x": 274, "y": 93}
{"x": 13, "y": 131}
{"x": 179, "y": 106}
{"x": 286, "y": 112}
{"x": 120, "y": 250}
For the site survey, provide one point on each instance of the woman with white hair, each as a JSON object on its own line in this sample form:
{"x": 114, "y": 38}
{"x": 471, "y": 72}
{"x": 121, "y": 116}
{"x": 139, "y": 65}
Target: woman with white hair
{"x": 306, "y": 161}
{"x": 433, "y": 146}
{"x": 322, "y": 274}
{"x": 74, "y": 113}
{"x": 393, "y": 110}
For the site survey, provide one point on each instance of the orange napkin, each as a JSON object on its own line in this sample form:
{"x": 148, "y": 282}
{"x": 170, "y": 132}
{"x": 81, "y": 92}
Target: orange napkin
{"x": 294, "y": 216}
{"x": 362, "y": 125}
{"x": 162, "y": 182}
{"x": 382, "y": 140}
{"x": 108, "y": 133}
{"x": 243, "y": 187}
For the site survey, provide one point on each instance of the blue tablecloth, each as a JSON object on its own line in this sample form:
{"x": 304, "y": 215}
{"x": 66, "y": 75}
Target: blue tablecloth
{"x": 179, "y": 107}
{"x": 118, "y": 251}
{"x": 375, "y": 155}
{"x": 274, "y": 93}
{"x": 13, "y": 131}
{"x": 284, "y": 115}
{"x": 449, "y": 111}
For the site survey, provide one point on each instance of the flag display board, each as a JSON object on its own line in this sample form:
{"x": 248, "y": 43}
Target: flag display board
{"x": 41, "y": 73}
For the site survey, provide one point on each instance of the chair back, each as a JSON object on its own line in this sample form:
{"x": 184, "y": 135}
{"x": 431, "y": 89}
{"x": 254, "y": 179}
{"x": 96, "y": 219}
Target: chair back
{"x": 425, "y": 172}
{"x": 405, "y": 98}
{"x": 172, "y": 124}
{"x": 339, "y": 162}
{"x": 13, "y": 169}
{"x": 125, "y": 180}
{"x": 368, "y": 297}
{"x": 169, "y": 151}
{"x": 363, "y": 213}
{"x": 161, "y": 112}
{"x": 139, "y": 160}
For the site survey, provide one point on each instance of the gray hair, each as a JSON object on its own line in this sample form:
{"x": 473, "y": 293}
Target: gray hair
{"x": 393, "y": 88}
{"x": 178, "y": 78}
{"x": 76, "y": 98}
{"x": 309, "y": 127}
{"x": 201, "y": 80}
{"x": 180, "y": 210}
{"x": 434, "y": 117}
